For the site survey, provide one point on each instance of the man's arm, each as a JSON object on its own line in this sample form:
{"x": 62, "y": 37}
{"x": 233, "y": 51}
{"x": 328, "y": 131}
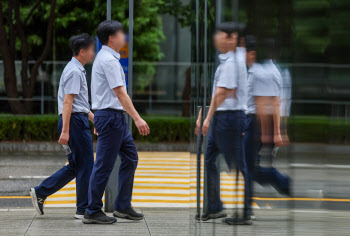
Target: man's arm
{"x": 219, "y": 97}
{"x": 66, "y": 114}
{"x": 198, "y": 122}
{"x": 91, "y": 116}
{"x": 126, "y": 102}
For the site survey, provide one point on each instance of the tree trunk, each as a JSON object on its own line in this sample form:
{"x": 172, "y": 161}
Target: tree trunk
{"x": 9, "y": 67}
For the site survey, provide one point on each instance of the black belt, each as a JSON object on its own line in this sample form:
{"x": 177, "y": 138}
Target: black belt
{"x": 81, "y": 113}
{"x": 228, "y": 112}
{"x": 114, "y": 110}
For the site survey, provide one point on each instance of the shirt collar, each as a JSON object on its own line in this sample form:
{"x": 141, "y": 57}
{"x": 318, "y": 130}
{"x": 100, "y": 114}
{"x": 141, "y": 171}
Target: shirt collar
{"x": 224, "y": 57}
{"x": 114, "y": 53}
{"x": 253, "y": 68}
{"x": 269, "y": 61}
{"x": 77, "y": 63}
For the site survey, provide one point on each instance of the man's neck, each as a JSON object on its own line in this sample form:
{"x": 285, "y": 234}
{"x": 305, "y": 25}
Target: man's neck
{"x": 224, "y": 51}
{"x": 80, "y": 59}
{"x": 115, "y": 49}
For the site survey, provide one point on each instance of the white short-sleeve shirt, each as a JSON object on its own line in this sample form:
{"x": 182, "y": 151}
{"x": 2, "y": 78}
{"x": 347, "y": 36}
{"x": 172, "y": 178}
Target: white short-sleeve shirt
{"x": 232, "y": 74}
{"x": 73, "y": 81}
{"x": 107, "y": 73}
{"x": 264, "y": 80}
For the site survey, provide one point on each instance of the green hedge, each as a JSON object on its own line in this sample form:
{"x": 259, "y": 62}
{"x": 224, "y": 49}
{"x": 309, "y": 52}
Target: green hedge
{"x": 172, "y": 129}
{"x": 44, "y": 128}
{"x": 165, "y": 129}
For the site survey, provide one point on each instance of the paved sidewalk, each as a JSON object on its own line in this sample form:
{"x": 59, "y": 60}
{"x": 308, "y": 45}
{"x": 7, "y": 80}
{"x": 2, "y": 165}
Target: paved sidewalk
{"x": 60, "y": 221}
{"x": 173, "y": 222}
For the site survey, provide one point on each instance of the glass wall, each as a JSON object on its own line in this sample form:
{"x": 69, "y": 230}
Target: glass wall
{"x": 310, "y": 41}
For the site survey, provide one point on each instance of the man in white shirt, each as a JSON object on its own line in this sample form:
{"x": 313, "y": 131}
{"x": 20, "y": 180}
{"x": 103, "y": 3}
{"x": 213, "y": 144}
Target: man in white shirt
{"x": 263, "y": 120}
{"x": 74, "y": 128}
{"x": 110, "y": 100}
{"x": 227, "y": 118}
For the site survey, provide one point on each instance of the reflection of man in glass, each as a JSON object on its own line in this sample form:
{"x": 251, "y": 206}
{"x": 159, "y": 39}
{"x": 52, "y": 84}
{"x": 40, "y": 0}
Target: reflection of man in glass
{"x": 263, "y": 120}
{"x": 227, "y": 108}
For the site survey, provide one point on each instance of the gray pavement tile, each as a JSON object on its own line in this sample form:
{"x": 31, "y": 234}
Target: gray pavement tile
{"x": 168, "y": 222}
{"x": 15, "y": 222}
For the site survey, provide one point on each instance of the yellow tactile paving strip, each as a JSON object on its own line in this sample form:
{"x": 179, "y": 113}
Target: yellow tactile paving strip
{"x": 164, "y": 179}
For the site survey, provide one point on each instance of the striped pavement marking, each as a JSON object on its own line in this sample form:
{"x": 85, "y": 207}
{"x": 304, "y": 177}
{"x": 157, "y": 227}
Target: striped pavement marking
{"x": 164, "y": 179}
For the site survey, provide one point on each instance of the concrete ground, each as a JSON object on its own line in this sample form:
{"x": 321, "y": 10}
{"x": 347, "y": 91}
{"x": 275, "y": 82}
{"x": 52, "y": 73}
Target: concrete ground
{"x": 170, "y": 221}
{"x": 320, "y": 181}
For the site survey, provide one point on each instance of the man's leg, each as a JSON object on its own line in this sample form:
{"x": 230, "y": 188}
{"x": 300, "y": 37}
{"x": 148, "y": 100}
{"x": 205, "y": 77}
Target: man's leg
{"x": 213, "y": 209}
{"x": 110, "y": 127}
{"x": 63, "y": 176}
{"x": 229, "y": 136}
{"x": 129, "y": 160}
{"x": 271, "y": 176}
{"x": 84, "y": 162}
{"x": 250, "y": 155}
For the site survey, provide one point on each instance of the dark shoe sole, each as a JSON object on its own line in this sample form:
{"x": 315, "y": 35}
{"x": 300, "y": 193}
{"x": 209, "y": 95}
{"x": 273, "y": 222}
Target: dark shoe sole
{"x": 126, "y": 216}
{"x": 231, "y": 222}
{"x": 93, "y": 221}
{"x": 214, "y": 216}
{"x": 35, "y": 201}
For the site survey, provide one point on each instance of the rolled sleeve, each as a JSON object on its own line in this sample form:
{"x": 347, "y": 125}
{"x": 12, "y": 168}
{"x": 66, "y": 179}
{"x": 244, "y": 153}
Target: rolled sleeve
{"x": 113, "y": 74}
{"x": 228, "y": 76}
{"x": 72, "y": 83}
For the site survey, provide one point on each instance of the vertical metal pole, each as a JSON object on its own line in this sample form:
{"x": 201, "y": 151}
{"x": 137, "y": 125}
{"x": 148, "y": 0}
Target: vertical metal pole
{"x": 42, "y": 95}
{"x": 205, "y": 55}
{"x": 235, "y": 10}
{"x": 54, "y": 72}
{"x": 130, "y": 67}
{"x": 108, "y": 9}
{"x": 199, "y": 136}
{"x": 218, "y": 11}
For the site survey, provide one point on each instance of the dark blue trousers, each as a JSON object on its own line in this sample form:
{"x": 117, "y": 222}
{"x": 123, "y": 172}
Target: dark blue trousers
{"x": 226, "y": 137}
{"x": 80, "y": 162}
{"x": 262, "y": 175}
{"x": 113, "y": 138}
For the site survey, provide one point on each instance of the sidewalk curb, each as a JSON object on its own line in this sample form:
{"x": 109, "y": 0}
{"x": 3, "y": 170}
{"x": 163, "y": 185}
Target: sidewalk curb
{"x": 12, "y": 147}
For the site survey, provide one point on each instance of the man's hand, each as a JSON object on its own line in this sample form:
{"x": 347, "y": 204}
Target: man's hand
{"x": 198, "y": 125}
{"x": 91, "y": 117}
{"x": 277, "y": 139}
{"x": 142, "y": 126}
{"x": 205, "y": 127}
{"x": 95, "y": 132}
{"x": 64, "y": 138}
{"x": 285, "y": 139}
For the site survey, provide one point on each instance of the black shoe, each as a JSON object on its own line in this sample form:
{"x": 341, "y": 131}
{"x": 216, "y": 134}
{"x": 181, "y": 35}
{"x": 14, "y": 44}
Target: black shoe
{"x": 238, "y": 221}
{"x": 129, "y": 214}
{"x": 98, "y": 217}
{"x": 79, "y": 215}
{"x": 38, "y": 201}
{"x": 209, "y": 215}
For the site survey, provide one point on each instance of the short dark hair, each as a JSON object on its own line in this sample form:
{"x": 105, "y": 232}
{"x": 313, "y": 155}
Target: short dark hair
{"x": 229, "y": 27}
{"x": 106, "y": 29}
{"x": 250, "y": 43}
{"x": 81, "y": 41}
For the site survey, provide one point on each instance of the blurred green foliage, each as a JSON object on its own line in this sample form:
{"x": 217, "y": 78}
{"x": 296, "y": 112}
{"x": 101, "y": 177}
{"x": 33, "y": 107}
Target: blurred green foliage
{"x": 314, "y": 129}
{"x": 44, "y": 128}
{"x": 76, "y": 16}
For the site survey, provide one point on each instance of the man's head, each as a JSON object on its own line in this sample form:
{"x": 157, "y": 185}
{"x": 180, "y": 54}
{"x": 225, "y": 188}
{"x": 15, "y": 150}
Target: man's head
{"x": 83, "y": 47}
{"x": 250, "y": 43}
{"x": 110, "y": 33}
{"x": 226, "y": 36}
